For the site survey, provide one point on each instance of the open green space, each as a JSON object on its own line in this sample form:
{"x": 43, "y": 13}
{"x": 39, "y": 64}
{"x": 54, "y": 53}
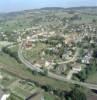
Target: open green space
{"x": 36, "y": 54}
{"x": 7, "y": 79}
{"x": 12, "y": 66}
{"x": 48, "y": 96}
{"x": 85, "y": 19}
{"x": 14, "y": 48}
{"x": 92, "y": 78}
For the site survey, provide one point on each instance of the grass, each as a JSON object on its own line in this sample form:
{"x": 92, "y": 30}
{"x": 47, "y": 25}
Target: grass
{"x": 14, "y": 48}
{"x": 35, "y": 54}
{"x": 92, "y": 78}
{"x": 22, "y": 88}
{"x": 85, "y": 19}
{"x": 48, "y": 96}
{"x": 20, "y": 70}
{"x": 7, "y": 79}
{"x": 4, "y": 43}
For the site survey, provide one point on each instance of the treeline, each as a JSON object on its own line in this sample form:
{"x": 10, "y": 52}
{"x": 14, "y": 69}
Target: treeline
{"x": 76, "y": 92}
{"x": 12, "y": 54}
{"x": 54, "y": 40}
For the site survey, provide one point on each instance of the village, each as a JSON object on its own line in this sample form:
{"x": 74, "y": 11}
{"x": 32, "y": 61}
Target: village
{"x": 47, "y": 47}
{"x": 44, "y": 54}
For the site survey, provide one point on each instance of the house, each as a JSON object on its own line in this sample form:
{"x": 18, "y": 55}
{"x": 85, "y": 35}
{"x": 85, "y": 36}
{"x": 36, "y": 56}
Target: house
{"x": 67, "y": 55}
{"x": 3, "y": 96}
{"x": 87, "y": 58}
{"x": 28, "y": 44}
{"x": 69, "y": 39}
{"x": 52, "y": 49}
{"x": 59, "y": 45}
{"x": 61, "y": 68}
{"x": 77, "y": 68}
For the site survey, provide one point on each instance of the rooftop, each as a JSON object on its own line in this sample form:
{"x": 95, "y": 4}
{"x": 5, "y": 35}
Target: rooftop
{"x": 1, "y": 93}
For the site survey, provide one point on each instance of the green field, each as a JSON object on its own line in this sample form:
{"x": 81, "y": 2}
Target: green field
{"x": 85, "y": 19}
{"x": 50, "y": 97}
{"x": 14, "y": 97}
{"x": 7, "y": 79}
{"x": 35, "y": 54}
{"x": 92, "y": 78}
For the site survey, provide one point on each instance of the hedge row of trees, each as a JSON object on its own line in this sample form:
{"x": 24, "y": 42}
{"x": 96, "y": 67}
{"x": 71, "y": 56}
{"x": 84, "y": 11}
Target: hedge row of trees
{"x": 55, "y": 40}
{"x": 76, "y": 92}
{"x": 13, "y": 54}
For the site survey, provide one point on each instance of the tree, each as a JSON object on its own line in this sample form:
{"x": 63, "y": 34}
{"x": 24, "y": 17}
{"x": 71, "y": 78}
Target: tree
{"x": 82, "y": 75}
{"x": 61, "y": 51}
{"x": 45, "y": 73}
{"x": 77, "y": 94}
{"x": 35, "y": 72}
{"x": 56, "y": 66}
{"x": 95, "y": 53}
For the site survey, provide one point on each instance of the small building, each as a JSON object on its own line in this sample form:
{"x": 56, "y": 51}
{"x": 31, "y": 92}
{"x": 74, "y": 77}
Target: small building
{"x": 59, "y": 45}
{"x": 28, "y": 44}
{"x": 3, "y": 96}
{"x": 77, "y": 68}
{"x": 47, "y": 63}
{"x": 87, "y": 58}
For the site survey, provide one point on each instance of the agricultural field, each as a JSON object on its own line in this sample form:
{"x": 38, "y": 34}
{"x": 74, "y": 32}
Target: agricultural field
{"x": 6, "y": 79}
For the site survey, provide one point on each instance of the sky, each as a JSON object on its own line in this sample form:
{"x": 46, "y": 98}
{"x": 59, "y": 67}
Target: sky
{"x": 18, "y": 5}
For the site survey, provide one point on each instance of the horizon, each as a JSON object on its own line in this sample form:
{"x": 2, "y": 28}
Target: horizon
{"x": 43, "y": 7}
{"x": 20, "y": 5}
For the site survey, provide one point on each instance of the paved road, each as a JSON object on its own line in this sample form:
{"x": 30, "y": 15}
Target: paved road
{"x": 52, "y": 75}
{"x": 62, "y": 78}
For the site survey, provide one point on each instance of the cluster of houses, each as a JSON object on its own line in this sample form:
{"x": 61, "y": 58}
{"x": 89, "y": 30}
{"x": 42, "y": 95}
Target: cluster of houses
{"x": 3, "y": 36}
{"x": 4, "y": 95}
{"x": 87, "y": 57}
{"x": 76, "y": 35}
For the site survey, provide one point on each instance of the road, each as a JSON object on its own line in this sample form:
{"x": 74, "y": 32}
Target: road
{"x": 25, "y": 62}
{"x": 50, "y": 74}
